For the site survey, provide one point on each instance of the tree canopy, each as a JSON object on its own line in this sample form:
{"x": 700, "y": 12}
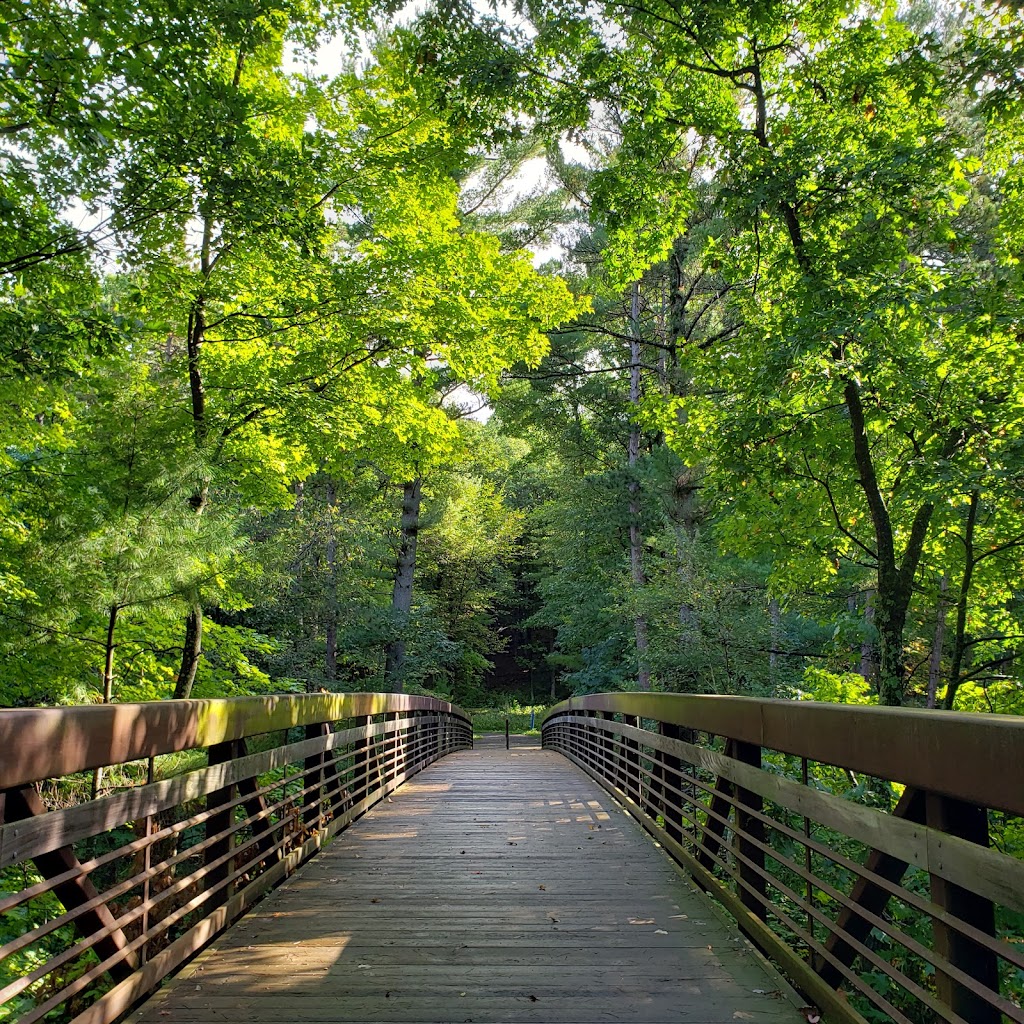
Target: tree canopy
{"x": 563, "y": 347}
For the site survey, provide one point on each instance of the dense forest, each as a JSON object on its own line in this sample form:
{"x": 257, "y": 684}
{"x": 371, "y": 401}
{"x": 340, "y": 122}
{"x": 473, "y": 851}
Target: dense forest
{"x": 506, "y": 352}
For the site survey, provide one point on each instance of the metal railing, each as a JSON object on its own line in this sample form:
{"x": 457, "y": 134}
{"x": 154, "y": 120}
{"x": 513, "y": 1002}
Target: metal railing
{"x": 873, "y": 853}
{"x": 202, "y": 807}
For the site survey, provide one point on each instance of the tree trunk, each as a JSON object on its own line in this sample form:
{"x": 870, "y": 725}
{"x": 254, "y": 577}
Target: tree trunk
{"x": 401, "y": 595}
{"x": 935, "y": 661}
{"x": 895, "y": 578}
{"x": 635, "y": 533}
{"x": 108, "y": 660}
{"x": 868, "y": 647}
{"x": 192, "y": 649}
{"x": 331, "y": 630}
{"x": 774, "y": 639}
{"x": 895, "y": 575}
{"x": 960, "y": 639}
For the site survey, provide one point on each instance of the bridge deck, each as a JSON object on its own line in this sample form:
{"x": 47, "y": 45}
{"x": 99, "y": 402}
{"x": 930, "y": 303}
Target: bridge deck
{"x": 493, "y": 887}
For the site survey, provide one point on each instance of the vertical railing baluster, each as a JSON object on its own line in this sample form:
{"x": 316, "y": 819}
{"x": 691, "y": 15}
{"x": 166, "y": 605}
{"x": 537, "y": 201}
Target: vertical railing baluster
{"x": 672, "y": 787}
{"x": 147, "y": 863}
{"x": 221, "y": 803}
{"x": 749, "y": 831}
{"x": 631, "y": 760}
{"x": 313, "y": 780}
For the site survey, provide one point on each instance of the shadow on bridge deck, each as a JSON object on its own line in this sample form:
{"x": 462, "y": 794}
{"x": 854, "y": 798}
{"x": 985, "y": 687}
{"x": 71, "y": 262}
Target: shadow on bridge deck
{"x": 494, "y": 887}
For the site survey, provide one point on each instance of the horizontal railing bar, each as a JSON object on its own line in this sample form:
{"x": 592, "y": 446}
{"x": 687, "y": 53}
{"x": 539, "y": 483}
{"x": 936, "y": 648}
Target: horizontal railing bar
{"x": 86, "y": 942}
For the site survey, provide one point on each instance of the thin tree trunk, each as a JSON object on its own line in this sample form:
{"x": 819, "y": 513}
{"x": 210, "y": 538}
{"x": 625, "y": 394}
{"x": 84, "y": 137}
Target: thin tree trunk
{"x": 774, "y": 638}
{"x": 108, "y": 661}
{"x": 108, "y": 685}
{"x": 895, "y": 579}
{"x": 635, "y": 533}
{"x": 192, "y": 649}
{"x": 960, "y": 634}
{"x": 935, "y": 661}
{"x": 401, "y": 596}
{"x": 331, "y": 631}
{"x": 867, "y": 647}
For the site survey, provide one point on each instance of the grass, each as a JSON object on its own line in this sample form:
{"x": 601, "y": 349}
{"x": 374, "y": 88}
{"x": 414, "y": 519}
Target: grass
{"x": 493, "y": 720}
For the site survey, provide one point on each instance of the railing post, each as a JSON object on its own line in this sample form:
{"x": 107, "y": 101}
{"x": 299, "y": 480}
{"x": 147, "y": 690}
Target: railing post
{"x": 392, "y": 747}
{"x": 360, "y": 766}
{"x": 313, "y": 780}
{"x": 752, "y": 879}
{"x": 218, "y": 824}
{"x": 631, "y": 761}
{"x": 970, "y": 822}
{"x": 672, "y": 785}
{"x": 255, "y": 807}
{"x": 608, "y": 745}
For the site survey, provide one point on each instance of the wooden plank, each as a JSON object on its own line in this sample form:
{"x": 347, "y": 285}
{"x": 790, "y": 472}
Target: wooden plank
{"x": 495, "y": 886}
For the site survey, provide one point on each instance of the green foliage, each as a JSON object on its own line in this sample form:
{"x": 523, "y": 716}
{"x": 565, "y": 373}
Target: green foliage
{"x": 522, "y": 720}
{"x": 836, "y": 688}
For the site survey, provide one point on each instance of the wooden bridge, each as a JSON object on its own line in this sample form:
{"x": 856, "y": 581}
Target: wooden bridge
{"x": 872, "y": 857}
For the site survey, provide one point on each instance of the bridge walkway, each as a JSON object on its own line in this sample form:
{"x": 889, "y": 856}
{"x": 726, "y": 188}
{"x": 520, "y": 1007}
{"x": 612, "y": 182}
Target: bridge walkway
{"x": 493, "y": 887}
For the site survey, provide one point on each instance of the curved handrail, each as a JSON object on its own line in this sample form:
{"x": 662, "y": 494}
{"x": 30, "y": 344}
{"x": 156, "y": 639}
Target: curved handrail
{"x": 973, "y": 757}
{"x": 44, "y": 743}
{"x": 122, "y": 888}
{"x": 758, "y": 800}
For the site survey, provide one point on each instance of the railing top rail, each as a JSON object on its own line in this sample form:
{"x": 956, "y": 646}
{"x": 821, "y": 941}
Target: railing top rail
{"x": 42, "y": 743}
{"x": 972, "y": 757}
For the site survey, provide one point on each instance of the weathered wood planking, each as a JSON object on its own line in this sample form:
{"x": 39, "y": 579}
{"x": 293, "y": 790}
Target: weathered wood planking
{"x": 494, "y": 887}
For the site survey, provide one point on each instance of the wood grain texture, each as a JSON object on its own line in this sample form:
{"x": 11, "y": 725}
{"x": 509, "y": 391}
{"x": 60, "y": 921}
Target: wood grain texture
{"x": 494, "y": 887}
